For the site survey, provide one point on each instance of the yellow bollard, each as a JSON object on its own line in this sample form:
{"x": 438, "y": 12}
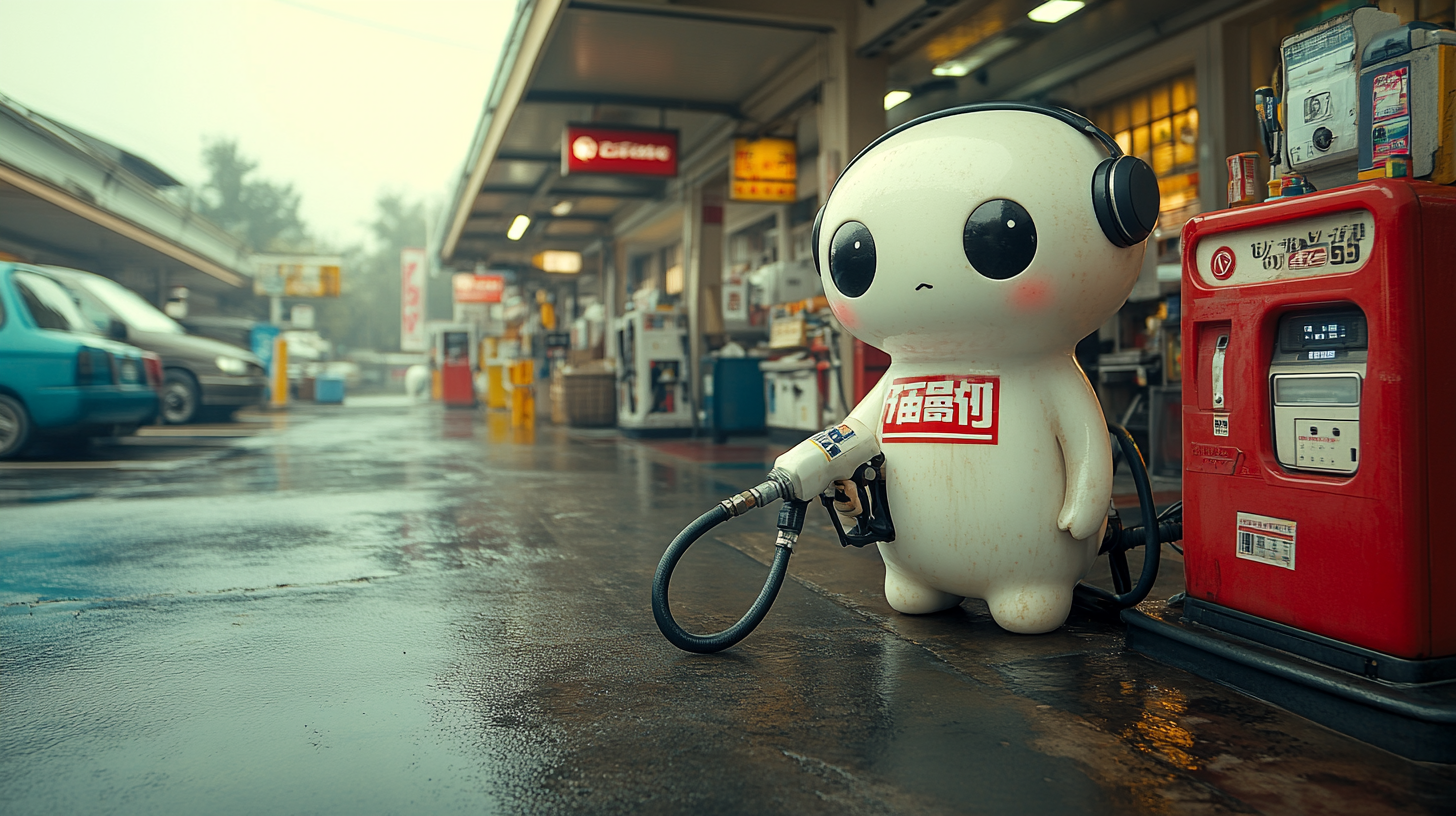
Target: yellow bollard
{"x": 495, "y": 388}
{"x": 523, "y": 397}
{"x": 278, "y": 396}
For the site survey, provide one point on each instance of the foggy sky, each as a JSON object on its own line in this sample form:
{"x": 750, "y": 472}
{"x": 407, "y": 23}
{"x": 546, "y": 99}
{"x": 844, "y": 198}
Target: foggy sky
{"x": 342, "y": 99}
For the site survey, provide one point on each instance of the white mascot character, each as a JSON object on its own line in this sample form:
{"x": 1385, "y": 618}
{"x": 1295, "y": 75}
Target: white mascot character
{"x": 976, "y": 246}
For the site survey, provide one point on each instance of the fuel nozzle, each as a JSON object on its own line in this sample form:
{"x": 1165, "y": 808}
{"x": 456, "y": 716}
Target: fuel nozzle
{"x": 864, "y": 498}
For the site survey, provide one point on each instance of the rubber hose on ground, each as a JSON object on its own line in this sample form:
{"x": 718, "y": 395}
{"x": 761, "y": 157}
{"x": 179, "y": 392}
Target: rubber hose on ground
{"x": 717, "y": 642}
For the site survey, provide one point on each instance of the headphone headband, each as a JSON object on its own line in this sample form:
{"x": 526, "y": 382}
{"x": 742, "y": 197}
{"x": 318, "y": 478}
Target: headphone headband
{"x": 1075, "y": 120}
{"x": 1124, "y": 191}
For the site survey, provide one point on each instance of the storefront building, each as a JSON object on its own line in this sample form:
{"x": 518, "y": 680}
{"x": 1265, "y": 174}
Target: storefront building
{"x": 1172, "y": 81}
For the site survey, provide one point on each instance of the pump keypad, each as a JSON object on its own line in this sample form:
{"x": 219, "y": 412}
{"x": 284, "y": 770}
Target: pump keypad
{"x": 1326, "y": 445}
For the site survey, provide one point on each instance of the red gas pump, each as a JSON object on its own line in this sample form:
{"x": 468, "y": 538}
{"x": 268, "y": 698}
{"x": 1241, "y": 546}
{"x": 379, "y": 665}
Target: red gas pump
{"x": 1319, "y": 424}
{"x": 456, "y": 353}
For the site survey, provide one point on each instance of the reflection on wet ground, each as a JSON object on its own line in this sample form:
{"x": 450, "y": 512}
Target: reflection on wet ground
{"x": 402, "y": 609}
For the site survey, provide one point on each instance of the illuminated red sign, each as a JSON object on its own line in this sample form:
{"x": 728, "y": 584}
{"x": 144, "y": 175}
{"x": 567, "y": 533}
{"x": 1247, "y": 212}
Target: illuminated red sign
{"x": 621, "y": 152}
{"x": 478, "y": 288}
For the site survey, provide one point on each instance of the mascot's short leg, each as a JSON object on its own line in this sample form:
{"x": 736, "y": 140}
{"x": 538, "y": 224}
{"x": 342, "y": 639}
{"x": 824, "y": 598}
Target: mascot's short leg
{"x": 912, "y": 597}
{"x": 1030, "y": 610}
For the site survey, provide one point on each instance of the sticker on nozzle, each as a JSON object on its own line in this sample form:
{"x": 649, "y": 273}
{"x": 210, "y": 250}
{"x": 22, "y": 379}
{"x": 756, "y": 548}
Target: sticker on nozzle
{"x": 831, "y": 441}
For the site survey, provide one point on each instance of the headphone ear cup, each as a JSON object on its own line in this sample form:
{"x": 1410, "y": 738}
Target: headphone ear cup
{"x": 1125, "y": 197}
{"x": 818, "y": 221}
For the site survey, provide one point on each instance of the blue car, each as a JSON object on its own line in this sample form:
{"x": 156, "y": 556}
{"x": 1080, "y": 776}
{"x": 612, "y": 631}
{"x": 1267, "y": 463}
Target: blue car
{"x": 57, "y": 377}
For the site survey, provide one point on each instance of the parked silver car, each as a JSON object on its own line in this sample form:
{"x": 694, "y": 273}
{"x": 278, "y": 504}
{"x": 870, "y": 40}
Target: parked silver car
{"x": 202, "y": 378}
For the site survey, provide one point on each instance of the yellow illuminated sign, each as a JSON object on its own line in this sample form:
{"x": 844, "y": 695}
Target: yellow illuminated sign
{"x": 765, "y": 170}
{"x": 296, "y": 275}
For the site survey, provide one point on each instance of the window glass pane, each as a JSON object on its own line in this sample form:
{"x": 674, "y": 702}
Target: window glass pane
{"x": 1180, "y": 94}
{"x": 50, "y": 305}
{"x": 1162, "y": 159}
{"x": 1120, "y": 119}
{"x": 1140, "y": 110}
{"x": 1124, "y": 140}
{"x": 1185, "y": 138}
{"x": 1162, "y": 131}
{"x": 1160, "y": 101}
{"x": 135, "y": 312}
{"x": 1190, "y": 87}
{"x": 1140, "y": 143}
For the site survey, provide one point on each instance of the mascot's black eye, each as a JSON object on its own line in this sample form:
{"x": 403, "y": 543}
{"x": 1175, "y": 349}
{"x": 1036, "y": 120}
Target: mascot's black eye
{"x": 852, "y": 259}
{"x": 1000, "y": 239}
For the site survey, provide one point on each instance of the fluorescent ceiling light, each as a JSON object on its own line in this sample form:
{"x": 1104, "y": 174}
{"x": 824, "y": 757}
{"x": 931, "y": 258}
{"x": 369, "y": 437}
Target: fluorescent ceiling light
{"x": 518, "y": 227}
{"x": 1055, "y": 11}
{"x": 976, "y": 57}
{"x": 894, "y": 98}
{"x": 561, "y": 208}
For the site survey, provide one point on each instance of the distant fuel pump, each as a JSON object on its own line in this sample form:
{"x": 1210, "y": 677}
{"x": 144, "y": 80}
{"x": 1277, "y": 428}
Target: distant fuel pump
{"x": 456, "y": 350}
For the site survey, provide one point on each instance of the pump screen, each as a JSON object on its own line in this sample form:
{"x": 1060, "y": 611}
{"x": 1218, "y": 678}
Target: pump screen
{"x": 1343, "y": 329}
{"x": 1319, "y": 331}
{"x": 1317, "y": 390}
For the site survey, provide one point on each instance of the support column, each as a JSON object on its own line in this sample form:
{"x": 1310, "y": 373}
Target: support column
{"x": 851, "y": 115}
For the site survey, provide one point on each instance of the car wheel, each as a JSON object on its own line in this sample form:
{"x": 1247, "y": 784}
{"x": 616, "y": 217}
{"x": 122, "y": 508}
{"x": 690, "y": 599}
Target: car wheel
{"x": 179, "y": 398}
{"x": 14, "y": 427}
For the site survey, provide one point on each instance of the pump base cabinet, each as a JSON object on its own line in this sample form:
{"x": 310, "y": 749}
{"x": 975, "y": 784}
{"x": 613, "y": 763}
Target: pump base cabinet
{"x": 1319, "y": 427}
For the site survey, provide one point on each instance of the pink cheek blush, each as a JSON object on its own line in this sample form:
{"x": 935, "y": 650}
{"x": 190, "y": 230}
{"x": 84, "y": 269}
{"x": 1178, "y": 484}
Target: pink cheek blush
{"x": 844, "y": 314}
{"x": 1031, "y": 296}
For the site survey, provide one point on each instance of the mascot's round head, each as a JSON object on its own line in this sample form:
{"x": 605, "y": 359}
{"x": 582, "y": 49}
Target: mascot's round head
{"x": 1007, "y": 229}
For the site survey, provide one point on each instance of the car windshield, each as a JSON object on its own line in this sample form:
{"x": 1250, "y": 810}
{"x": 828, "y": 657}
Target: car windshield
{"x": 49, "y": 303}
{"x": 136, "y": 313}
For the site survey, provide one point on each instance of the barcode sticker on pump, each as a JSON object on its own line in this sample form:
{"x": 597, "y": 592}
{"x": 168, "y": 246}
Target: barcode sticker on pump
{"x": 1270, "y": 540}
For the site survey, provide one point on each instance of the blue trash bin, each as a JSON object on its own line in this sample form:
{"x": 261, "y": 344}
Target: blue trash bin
{"x": 329, "y": 389}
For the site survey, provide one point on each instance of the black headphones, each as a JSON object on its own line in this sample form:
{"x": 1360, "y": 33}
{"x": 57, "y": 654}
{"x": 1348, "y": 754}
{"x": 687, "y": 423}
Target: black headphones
{"x": 1124, "y": 188}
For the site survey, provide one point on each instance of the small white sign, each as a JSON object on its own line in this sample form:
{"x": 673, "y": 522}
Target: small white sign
{"x": 301, "y": 316}
{"x": 1266, "y": 539}
{"x": 1220, "y": 424}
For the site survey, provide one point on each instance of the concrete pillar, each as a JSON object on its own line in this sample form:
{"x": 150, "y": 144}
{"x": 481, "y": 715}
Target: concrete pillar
{"x": 702, "y": 260}
{"x": 851, "y": 115}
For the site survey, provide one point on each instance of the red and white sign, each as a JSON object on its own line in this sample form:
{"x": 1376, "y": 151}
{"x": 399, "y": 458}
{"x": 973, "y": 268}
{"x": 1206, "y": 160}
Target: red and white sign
{"x": 947, "y": 408}
{"x": 623, "y": 152}
{"x": 1223, "y": 264}
{"x": 471, "y": 288}
{"x": 412, "y": 299}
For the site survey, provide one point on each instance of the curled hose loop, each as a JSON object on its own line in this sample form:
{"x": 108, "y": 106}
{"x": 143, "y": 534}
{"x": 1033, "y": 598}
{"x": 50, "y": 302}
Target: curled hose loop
{"x": 717, "y": 642}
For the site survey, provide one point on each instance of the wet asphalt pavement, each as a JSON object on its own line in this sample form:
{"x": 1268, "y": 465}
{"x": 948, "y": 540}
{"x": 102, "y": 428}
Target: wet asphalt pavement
{"x": 384, "y": 608}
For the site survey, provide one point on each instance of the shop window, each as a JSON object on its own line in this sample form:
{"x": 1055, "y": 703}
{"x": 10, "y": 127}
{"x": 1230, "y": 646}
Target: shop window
{"x": 1159, "y": 125}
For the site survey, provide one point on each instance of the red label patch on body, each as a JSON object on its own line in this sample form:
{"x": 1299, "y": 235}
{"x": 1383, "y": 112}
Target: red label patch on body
{"x": 946, "y": 408}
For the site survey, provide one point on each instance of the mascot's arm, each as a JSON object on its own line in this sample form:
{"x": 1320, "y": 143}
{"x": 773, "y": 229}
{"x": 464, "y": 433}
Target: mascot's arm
{"x": 1082, "y": 433}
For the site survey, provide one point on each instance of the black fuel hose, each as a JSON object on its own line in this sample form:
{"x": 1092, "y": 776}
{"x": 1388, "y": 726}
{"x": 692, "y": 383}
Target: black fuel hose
{"x": 1152, "y": 550}
{"x": 791, "y": 522}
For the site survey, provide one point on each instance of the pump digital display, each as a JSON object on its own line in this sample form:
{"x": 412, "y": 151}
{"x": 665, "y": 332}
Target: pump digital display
{"x": 1320, "y": 332}
{"x": 1332, "y": 330}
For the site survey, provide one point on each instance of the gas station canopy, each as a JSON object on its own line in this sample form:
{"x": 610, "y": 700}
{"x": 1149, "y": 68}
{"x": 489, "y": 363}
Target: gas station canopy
{"x": 610, "y": 65}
